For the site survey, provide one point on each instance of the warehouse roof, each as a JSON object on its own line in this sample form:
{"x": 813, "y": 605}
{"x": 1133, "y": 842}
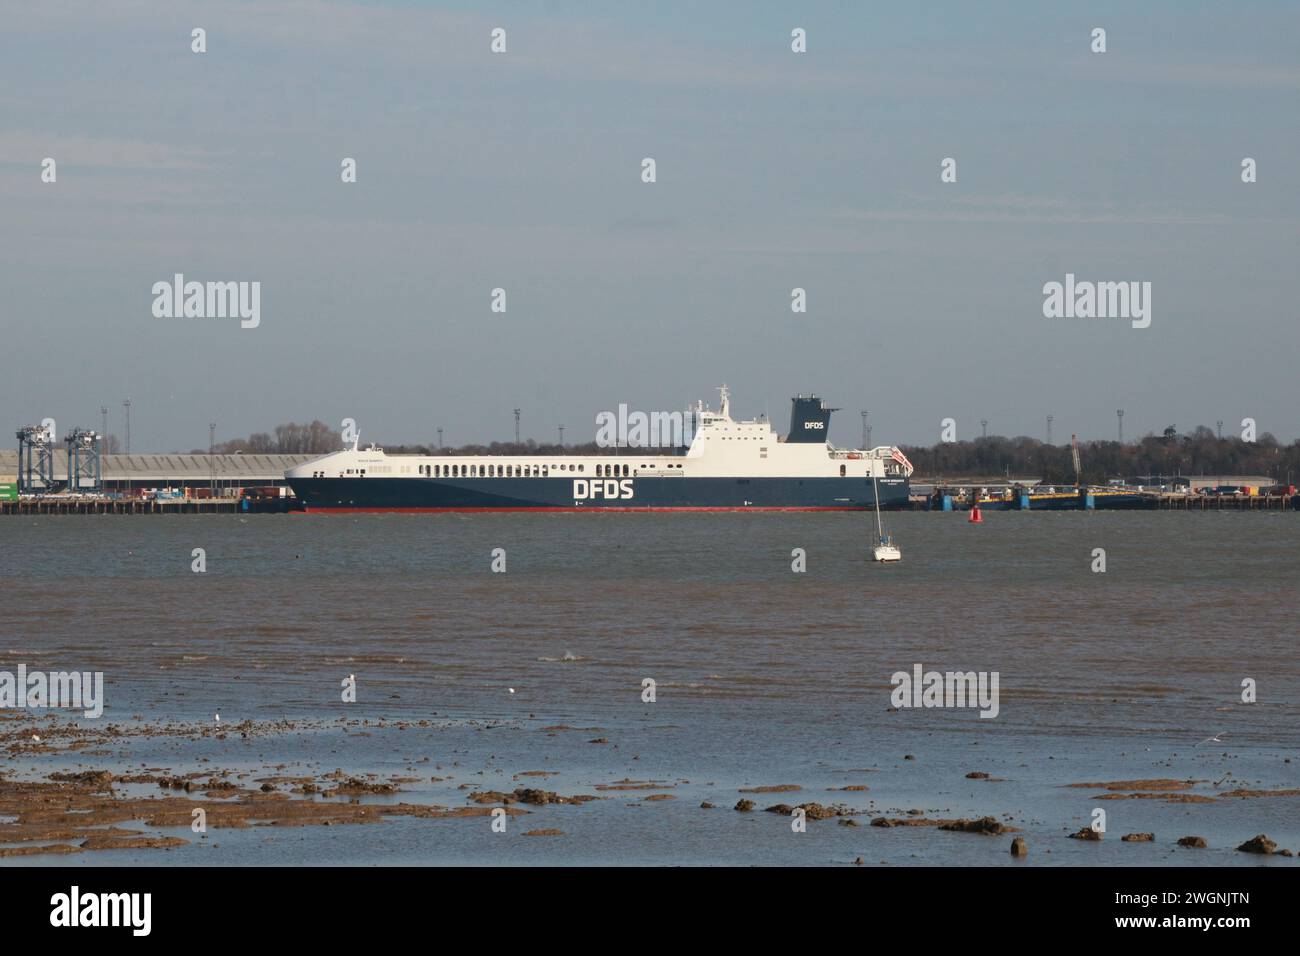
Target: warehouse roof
{"x": 181, "y": 468}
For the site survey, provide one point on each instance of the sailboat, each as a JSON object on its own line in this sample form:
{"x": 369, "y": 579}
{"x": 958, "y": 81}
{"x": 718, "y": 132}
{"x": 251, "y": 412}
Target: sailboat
{"x": 885, "y": 550}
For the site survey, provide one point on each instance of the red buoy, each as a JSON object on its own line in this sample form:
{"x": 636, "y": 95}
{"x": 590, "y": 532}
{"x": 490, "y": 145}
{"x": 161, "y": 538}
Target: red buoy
{"x": 975, "y": 516}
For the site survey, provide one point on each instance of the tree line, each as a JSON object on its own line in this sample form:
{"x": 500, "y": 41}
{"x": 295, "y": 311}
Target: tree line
{"x": 1201, "y": 452}
{"x": 288, "y": 439}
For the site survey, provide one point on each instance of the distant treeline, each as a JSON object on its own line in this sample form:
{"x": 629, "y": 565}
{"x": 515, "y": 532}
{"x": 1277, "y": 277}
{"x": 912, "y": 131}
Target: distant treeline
{"x": 290, "y": 439}
{"x": 319, "y": 439}
{"x": 1198, "y": 453}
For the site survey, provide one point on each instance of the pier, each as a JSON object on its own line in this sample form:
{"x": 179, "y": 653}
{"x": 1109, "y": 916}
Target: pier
{"x": 961, "y": 497}
{"x": 51, "y": 505}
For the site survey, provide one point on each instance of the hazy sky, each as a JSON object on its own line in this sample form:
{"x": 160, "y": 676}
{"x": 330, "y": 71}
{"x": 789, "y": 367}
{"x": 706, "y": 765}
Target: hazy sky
{"x": 523, "y": 170}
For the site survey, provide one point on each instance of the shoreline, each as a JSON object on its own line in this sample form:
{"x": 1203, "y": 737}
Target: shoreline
{"x": 86, "y": 794}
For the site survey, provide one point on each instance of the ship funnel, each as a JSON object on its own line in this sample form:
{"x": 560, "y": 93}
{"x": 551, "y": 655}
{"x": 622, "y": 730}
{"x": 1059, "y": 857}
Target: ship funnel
{"x": 810, "y": 419}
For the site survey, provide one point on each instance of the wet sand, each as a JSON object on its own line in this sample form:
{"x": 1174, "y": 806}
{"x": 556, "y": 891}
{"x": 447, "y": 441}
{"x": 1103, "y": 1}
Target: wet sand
{"x": 121, "y": 795}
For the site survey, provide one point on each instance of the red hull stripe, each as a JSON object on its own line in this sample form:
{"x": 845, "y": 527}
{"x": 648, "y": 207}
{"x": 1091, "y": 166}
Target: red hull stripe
{"x": 569, "y": 509}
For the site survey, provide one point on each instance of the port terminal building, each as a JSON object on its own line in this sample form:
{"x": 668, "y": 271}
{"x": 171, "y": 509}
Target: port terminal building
{"x": 223, "y": 476}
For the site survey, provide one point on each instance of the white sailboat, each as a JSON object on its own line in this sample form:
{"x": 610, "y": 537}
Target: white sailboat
{"x": 885, "y": 550}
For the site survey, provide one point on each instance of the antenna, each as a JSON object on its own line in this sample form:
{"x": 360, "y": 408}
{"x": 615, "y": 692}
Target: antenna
{"x": 516, "y": 426}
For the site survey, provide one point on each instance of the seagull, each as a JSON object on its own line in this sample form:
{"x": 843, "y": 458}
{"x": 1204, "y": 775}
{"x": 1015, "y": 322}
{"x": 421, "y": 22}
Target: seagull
{"x": 217, "y": 718}
{"x": 511, "y": 689}
{"x": 1213, "y": 740}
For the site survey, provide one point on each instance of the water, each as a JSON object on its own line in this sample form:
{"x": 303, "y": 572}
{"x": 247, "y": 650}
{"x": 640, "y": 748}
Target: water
{"x": 762, "y": 676}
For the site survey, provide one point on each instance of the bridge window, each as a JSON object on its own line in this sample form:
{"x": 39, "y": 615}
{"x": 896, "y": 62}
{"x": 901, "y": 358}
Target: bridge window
{"x": 841, "y": 471}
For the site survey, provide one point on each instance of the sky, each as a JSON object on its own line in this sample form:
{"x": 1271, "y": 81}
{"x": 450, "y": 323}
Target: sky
{"x": 522, "y": 170}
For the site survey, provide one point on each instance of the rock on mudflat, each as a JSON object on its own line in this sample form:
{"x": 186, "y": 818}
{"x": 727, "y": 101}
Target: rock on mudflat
{"x": 986, "y": 825}
{"x": 812, "y": 811}
{"x": 1087, "y": 833}
{"x": 1138, "y": 837}
{"x": 1019, "y": 847}
{"x": 744, "y": 806}
{"x": 1193, "y": 842}
{"x": 1259, "y": 844}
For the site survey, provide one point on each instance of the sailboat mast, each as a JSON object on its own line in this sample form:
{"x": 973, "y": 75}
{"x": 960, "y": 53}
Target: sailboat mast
{"x": 875, "y": 493}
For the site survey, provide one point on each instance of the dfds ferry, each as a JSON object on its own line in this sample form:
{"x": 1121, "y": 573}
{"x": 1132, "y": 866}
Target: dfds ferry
{"x": 729, "y": 465}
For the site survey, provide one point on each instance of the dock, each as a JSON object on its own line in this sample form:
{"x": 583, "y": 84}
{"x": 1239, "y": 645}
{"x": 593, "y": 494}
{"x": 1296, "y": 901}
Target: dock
{"x": 53, "y": 505}
{"x": 957, "y": 497}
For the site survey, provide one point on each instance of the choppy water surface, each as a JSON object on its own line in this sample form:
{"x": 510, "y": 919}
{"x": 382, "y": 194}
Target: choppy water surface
{"x": 763, "y": 676}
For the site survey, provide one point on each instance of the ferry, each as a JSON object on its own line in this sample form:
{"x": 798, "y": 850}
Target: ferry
{"x": 728, "y": 465}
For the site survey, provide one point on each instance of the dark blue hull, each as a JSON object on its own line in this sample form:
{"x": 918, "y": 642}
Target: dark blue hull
{"x": 569, "y": 494}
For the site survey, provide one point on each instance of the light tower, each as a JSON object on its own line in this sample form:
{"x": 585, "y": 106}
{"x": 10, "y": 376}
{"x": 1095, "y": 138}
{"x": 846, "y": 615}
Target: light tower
{"x": 212, "y": 462}
{"x": 103, "y": 422}
{"x": 561, "y": 436}
{"x": 984, "y": 424}
{"x": 1220, "y": 424}
{"x": 127, "y": 405}
{"x": 1049, "y": 429}
{"x": 439, "y": 439}
{"x": 1119, "y": 414}
{"x": 865, "y": 437}
{"x": 516, "y": 426}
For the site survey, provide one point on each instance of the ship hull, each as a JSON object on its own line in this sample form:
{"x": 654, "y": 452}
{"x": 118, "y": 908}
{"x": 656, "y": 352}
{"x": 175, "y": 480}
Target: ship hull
{"x": 614, "y": 495}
